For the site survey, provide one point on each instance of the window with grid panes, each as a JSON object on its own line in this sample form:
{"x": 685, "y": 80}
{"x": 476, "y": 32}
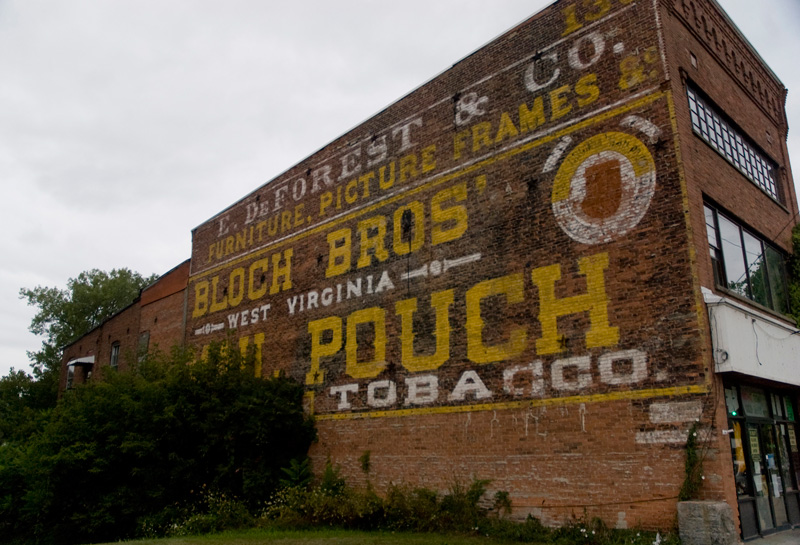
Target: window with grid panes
{"x": 731, "y": 144}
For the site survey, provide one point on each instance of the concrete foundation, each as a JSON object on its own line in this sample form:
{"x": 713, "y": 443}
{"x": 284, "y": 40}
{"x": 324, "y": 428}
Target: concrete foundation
{"x": 706, "y": 523}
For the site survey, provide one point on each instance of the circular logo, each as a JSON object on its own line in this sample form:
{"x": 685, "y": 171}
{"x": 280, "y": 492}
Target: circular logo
{"x": 603, "y": 187}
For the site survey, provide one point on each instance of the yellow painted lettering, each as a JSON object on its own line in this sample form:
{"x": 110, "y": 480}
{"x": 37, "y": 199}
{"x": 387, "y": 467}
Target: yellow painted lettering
{"x": 372, "y": 368}
{"x": 408, "y": 167}
{"x": 281, "y": 271}
{"x": 200, "y": 299}
{"x": 601, "y": 7}
{"x": 429, "y": 158}
{"x": 365, "y": 180}
{"x": 351, "y": 191}
{"x": 507, "y": 128}
{"x": 481, "y": 135}
{"x": 450, "y": 222}
{"x": 512, "y": 287}
{"x": 236, "y": 286}
{"x": 252, "y": 292}
{"x": 339, "y": 252}
{"x": 320, "y": 349}
{"x": 571, "y": 23}
{"x": 594, "y": 301}
{"x": 440, "y": 302}
{"x": 216, "y": 304}
{"x": 533, "y": 118}
{"x": 384, "y": 181}
{"x": 587, "y": 90}
{"x": 286, "y": 221}
{"x": 255, "y": 352}
{"x": 416, "y": 212}
{"x": 460, "y": 143}
{"x": 559, "y": 102}
{"x": 372, "y": 245}
{"x": 325, "y": 200}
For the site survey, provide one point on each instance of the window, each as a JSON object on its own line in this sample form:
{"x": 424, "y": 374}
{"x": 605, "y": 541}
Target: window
{"x": 745, "y": 264}
{"x": 144, "y": 344}
{"x": 114, "y": 355}
{"x": 731, "y": 144}
{"x": 766, "y": 460}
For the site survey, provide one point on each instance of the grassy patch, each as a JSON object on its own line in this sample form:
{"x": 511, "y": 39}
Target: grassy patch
{"x": 320, "y": 537}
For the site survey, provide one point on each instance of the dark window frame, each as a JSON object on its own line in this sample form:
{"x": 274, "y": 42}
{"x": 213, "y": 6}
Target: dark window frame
{"x": 763, "y": 280}
{"x": 732, "y": 143}
{"x": 114, "y": 360}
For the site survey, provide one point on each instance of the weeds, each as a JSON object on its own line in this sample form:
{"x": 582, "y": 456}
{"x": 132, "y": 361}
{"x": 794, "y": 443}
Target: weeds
{"x": 332, "y": 504}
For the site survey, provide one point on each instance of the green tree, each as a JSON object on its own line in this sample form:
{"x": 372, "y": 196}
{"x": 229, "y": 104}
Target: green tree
{"x": 24, "y": 402}
{"x": 66, "y": 314}
{"x": 142, "y": 450}
{"x": 793, "y": 274}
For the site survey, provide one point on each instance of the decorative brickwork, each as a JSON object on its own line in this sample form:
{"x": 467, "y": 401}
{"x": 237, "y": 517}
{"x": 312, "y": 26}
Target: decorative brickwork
{"x": 709, "y": 26}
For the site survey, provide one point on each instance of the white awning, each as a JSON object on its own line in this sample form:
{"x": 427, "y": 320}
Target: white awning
{"x": 85, "y": 360}
{"x": 751, "y": 342}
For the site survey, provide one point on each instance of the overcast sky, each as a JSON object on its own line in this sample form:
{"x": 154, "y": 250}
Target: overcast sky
{"x": 126, "y": 123}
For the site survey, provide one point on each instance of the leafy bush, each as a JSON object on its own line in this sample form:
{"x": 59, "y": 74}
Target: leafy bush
{"x": 793, "y": 272}
{"x": 462, "y": 510}
{"x": 220, "y": 513}
{"x": 297, "y": 475}
{"x": 137, "y": 453}
{"x": 332, "y": 503}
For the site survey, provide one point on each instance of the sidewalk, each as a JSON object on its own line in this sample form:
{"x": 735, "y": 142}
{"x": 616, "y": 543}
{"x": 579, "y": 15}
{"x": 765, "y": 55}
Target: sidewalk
{"x": 789, "y": 537}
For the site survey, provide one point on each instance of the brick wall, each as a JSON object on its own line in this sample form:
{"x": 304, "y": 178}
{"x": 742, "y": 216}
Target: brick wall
{"x": 498, "y": 276}
{"x": 154, "y": 320}
{"x": 491, "y": 278}
{"x": 707, "y": 54}
{"x": 163, "y": 309}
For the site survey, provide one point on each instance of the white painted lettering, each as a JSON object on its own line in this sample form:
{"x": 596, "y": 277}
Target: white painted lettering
{"x": 519, "y": 378}
{"x": 611, "y": 375}
{"x": 389, "y": 397}
{"x": 469, "y": 384}
{"x": 422, "y": 390}
{"x": 582, "y": 373}
{"x": 404, "y": 131}
{"x": 342, "y": 392}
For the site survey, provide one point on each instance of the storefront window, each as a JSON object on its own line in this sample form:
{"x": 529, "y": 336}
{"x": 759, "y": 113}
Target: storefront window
{"x": 766, "y": 460}
{"x": 740, "y": 474}
{"x": 755, "y": 402}
{"x": 787, "y": 402}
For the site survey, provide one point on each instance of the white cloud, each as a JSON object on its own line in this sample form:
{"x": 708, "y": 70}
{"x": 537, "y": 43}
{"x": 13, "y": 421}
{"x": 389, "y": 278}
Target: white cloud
{"x": 125, "y": 124}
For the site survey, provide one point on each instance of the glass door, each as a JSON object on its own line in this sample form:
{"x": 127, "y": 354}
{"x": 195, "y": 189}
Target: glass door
{"x": 760, "y": 479}
{"x": 772, "y": 465}
{"x": 766, "y": 458}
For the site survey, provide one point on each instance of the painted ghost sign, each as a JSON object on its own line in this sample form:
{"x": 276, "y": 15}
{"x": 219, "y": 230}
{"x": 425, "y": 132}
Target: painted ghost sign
{"x": 491, "y": 240}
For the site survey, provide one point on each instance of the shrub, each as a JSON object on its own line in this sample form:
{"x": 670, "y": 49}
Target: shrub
{"x": 136, "y": 453}
{"x": 220, "y": 512}
{"x": 406, "y": 508}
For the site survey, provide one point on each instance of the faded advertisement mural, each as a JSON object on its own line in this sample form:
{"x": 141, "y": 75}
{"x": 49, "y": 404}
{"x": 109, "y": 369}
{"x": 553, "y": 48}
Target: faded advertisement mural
{"x": 496, "y": 238}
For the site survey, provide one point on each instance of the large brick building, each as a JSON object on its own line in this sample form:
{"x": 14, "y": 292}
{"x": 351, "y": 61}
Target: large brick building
{"x": 540, "y": 268}
{"x": 154, "y": 321}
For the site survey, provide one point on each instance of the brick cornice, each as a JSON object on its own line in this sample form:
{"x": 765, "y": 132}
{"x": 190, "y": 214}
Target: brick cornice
{"x": 729, "y": 47}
